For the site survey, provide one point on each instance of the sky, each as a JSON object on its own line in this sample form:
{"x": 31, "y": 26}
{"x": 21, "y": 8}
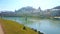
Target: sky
{"x": 12, "y": 5}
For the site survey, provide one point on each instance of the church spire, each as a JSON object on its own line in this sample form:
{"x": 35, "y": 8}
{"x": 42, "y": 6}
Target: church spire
{"x": 39, "y": 9}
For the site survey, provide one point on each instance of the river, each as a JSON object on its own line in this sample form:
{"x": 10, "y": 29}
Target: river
{"x": 47, "y": 26}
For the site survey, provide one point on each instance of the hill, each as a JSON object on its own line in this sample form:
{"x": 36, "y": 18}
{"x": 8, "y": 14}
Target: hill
{"x": 28, "y": 8}
{"x": 57, "y": 7}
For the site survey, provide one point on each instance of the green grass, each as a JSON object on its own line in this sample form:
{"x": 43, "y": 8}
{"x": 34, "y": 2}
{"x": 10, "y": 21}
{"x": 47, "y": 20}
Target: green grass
{"x": 11, "y": 27}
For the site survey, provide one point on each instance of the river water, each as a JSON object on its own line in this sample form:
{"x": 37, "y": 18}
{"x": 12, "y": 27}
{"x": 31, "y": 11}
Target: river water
{"x": 47, "y": 26}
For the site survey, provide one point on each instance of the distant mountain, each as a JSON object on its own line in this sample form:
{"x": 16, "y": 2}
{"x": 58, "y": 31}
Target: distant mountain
{"x": 57, "y": 7}
{"x": 26, "y": 9}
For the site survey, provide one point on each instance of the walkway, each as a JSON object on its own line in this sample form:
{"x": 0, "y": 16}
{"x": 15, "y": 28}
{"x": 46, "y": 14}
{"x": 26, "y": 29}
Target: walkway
{"x": 1, "y": 30}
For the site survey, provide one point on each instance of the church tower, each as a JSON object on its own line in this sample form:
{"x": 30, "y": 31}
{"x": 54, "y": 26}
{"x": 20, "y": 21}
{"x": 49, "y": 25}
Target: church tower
{"x": 39, "y": 9}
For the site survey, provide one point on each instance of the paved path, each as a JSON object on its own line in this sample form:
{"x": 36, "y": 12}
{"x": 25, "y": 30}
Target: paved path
{"x": 1, "y": 30}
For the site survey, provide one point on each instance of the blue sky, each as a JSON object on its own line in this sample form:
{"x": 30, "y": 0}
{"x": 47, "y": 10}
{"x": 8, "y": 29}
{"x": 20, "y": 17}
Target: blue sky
{"x": 17, "y": 4}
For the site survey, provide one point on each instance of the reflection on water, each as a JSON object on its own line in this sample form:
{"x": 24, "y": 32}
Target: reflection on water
{"x": 47, "y": 26}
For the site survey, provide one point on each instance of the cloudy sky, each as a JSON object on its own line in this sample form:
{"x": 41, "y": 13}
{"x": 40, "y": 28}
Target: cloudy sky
{"x": 17, "y": 4}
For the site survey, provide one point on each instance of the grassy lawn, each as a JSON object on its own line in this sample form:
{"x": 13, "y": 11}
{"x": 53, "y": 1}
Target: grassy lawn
{"x": 11, "y": 27}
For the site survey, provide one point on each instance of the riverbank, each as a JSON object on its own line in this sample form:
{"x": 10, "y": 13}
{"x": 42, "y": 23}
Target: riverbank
{"x": 11, "y": 27}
